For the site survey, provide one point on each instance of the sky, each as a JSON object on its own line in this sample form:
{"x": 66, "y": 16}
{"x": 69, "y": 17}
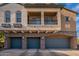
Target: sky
{"x": 39, "y": 1}
{"x": 75, "y": 7}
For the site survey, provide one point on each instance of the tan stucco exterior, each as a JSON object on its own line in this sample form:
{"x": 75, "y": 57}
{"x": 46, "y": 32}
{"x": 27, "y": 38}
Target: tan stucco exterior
{"x": 13, "y": 8}
{"x": 47, "y": 29}
{"x": 60, "y": 15}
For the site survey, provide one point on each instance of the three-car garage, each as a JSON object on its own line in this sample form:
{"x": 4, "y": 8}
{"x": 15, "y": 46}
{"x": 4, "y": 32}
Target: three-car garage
{"x": 35, "y": 43}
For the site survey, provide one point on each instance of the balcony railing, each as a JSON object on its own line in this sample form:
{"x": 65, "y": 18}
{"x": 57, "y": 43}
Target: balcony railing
{"x": 17, "y": 25}
{"x": 6, "y": 25}
{"x": 46, "y": 22}
{"x": 20, "y": 26}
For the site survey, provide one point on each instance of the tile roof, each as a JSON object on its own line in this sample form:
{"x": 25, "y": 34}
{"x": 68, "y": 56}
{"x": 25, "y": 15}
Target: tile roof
{"x": 42, "y": 5}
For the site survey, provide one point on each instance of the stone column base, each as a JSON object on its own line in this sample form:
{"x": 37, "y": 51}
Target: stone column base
{"x": 42, "y": 43}
{"x": 23, "y": 42}
{"x": 73, "y": 41}
{"x": 6, "y": 42}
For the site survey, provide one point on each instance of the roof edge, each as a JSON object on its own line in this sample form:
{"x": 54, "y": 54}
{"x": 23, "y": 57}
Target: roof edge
{"x": 10, "y": 3}
{"x": 71, "y": 10}
{"x": 44, "y": 5}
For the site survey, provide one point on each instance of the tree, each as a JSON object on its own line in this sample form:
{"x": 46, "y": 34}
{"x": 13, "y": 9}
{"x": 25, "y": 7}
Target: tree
{"x": 1, "y": 39}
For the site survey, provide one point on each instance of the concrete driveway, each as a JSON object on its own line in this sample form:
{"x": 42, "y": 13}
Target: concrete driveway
{"x": 38, "y": 52}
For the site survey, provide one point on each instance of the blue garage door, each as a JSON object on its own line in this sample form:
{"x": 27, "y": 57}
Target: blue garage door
{"x": 57, "y": 43}
{"x": 16, "y": 42}
{"x": 33, "y": 42}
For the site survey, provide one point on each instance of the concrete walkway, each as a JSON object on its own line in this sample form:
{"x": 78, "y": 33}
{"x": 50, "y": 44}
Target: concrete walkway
{"x": 38, "y": 52}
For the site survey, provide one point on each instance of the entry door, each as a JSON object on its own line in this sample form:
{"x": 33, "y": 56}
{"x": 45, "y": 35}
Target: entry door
{"x": 33, "y": 42}
{"x": 16, "y": 42}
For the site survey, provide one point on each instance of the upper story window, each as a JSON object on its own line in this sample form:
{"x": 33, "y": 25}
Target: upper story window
{"x": 18, "y": 16}
{"x": 7, "y": 16}
{"x": 66, "y": 19}
{"x": 49, "y": 21}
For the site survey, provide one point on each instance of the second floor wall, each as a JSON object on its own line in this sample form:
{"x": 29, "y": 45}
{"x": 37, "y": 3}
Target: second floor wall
{"x": 40, "y": 16}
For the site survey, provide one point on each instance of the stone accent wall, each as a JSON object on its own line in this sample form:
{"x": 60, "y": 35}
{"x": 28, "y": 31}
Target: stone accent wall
{"x": 72, "y": 20}
{"x": 24, "y": 42}
{"x": 6, "y": 42}
{"x": 73, "y": 42}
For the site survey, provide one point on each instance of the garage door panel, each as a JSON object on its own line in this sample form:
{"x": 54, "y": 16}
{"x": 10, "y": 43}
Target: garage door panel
{"x": 57, "y": 43}
{"x": 16, "y": 42}
{"x": 33, "y": 42}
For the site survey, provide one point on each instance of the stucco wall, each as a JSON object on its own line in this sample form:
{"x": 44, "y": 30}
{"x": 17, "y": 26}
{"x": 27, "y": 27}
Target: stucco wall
{"x": 13, "y": 8}
{"x": 17, "y": 7}
{"x": 72, "y": 20}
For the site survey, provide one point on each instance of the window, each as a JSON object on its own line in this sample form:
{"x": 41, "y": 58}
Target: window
{"x": 67, "y": 19}
{"x": 7, "y": 16}
{"x": 49, "y": 21}
{"x": 35, "y": 20}
{"x": 18, "y": 16}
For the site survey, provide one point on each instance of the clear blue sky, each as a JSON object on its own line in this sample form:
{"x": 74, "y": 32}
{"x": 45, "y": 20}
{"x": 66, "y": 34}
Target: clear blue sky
{"x": 75, "y": 7}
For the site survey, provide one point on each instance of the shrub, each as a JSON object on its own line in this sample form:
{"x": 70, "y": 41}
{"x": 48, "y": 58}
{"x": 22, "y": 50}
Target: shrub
{"x": 1, "y": 39}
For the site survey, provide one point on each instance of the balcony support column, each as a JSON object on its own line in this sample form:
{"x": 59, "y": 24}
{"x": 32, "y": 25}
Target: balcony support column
{"x": 6, "y": 41}
{"x": 42, "y": 42}
{"x": 59, "y": 18}
{"x": 23, "y": 42}
{"x": 42, "y": 18}
{"x": 73, "y": 42}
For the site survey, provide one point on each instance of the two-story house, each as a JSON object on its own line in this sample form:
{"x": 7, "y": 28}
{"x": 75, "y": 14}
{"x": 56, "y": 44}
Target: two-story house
{"x": 38, "y": 26}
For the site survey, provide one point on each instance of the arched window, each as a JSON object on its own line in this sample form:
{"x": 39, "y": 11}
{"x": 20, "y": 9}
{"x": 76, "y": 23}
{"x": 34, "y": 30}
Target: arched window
{"x": 7, "y": 16}
{"x": 18, "y": 16}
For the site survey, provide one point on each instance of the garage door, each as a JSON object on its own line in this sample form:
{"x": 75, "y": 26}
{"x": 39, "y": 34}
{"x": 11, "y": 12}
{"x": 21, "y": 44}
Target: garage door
{"x": 57, "y": 43}
{"x": 16, "y": 42}
{"x": 33, "y": 42}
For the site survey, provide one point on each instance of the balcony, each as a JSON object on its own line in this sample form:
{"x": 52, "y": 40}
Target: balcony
{"x": 34, "y": 18}
{"x": 42, "y": 21}
{"x": 50, "y": 18}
